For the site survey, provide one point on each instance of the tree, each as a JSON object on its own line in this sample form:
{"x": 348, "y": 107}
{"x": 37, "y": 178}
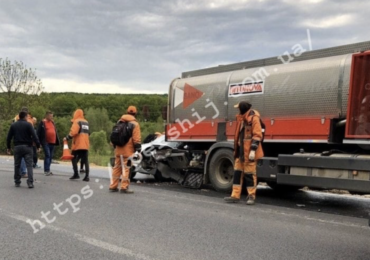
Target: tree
{"x": 98, "y": 120}
{"x": 99, "y": 143}
{"x": 63, "y": 105}
{"x": 19, "y": 86}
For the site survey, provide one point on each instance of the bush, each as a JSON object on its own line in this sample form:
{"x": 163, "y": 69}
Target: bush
{"x": 98, "y": 143}
{"x": 4, "y": 129}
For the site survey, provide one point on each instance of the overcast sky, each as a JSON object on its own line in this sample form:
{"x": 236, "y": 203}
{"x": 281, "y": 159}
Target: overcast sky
{"x": 127, "y": 46}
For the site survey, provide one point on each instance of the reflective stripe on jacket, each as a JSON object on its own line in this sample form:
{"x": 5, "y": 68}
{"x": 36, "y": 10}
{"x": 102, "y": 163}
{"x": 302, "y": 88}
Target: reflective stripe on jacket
{"x": 248, "y": 136}
{"x": 79, "y": 132}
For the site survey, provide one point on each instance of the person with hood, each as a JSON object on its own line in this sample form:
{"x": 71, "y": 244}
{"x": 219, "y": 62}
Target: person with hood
{"x": 81, "y": 162}
{"x": 247, "y": 150}
{"x": 80, "y": 135}
{"x": 48, "y": 136}
{"x": 123, "y": 153}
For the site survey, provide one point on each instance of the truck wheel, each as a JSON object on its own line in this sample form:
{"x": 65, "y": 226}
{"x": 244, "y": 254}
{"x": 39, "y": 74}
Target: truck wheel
{"x": 283, "y": 188}
{"x": 221, "y": 170}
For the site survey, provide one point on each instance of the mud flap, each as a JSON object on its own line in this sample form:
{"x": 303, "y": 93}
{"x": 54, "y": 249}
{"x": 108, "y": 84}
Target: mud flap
{"x": 193, "y": 180}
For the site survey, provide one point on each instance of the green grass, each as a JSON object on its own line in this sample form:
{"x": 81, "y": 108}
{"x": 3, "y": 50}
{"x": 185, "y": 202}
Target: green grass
{"x": 101, "y": 160}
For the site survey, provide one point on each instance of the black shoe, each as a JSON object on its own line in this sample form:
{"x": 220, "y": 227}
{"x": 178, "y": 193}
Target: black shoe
{"x": 17, "y": 185}
{"x": 127, "y": 191}
{"x": 113, "y": 190}
{"x": 30, "y": 185}
{"x": 231, "y": 200}
{"x": 74, "y": 177}
{"x": 86, "y": 179}
{"x": 82, "y": 170}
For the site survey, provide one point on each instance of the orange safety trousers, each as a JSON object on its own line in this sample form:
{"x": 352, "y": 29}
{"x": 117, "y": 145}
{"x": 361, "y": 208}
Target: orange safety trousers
{"x": 244, "y": 171}
{"x": 119, "y": 171}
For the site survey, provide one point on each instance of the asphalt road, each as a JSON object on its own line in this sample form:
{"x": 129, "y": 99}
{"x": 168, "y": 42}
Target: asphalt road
{"x": 165, "y": 221}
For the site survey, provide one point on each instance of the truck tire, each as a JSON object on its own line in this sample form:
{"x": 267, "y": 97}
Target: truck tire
{"x": 221, "y": 170}
{"x": 283, "y": 188}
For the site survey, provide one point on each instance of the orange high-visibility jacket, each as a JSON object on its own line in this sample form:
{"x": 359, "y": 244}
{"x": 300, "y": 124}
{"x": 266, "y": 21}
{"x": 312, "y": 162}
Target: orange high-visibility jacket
{"x": 128, "y": 149}
{"x": 79, "y": 132}
{"x": 249, "y": 128}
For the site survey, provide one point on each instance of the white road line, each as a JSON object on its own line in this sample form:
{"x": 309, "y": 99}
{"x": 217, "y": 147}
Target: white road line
{"x": 92, "y": 241}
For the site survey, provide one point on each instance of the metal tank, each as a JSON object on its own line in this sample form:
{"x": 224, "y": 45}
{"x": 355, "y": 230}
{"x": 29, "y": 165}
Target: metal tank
{"x": 309, "y": 88}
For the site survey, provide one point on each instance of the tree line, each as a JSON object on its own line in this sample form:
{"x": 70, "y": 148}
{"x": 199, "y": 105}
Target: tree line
{"x": 20, "y": 87}
{"x": 101, "y": 110}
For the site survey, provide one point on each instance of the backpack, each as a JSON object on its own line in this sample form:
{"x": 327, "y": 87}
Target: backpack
{"x": 121, "y": 133}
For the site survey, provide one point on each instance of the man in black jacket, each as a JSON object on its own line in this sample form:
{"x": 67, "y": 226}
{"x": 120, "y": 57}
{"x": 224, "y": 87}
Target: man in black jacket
{"x": 23, "y": 136}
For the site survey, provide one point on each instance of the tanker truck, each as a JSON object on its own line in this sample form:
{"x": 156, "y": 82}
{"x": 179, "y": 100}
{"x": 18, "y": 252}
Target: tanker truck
{"x": 316, "y": 109}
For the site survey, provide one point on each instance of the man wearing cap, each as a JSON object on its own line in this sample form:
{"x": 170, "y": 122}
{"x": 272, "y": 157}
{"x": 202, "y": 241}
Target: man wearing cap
{"x": 123, "y": 153}
{"x": 247, "y": 150}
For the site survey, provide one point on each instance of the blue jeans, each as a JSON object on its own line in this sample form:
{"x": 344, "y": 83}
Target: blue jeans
{"x": 48, "y": 151}
{"x": 23, "y": 167}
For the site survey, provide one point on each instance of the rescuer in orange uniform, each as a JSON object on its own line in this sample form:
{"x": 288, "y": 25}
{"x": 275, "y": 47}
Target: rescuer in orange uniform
{"x": 79, "y": 134}
{"x": 247, "y": 150}
{"x": 122, "y": 153}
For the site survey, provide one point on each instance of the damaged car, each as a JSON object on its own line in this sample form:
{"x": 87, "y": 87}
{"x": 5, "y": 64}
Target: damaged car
{"x": 152, "y": 153}
{"x": 171, "y": 160}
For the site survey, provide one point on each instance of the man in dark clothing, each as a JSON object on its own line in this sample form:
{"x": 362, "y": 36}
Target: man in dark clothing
{"x": 23, "y": 136}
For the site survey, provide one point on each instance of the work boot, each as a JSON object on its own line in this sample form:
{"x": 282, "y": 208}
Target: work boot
{"x": 75, "y": 177}
{"x": 231, "y": 200}
{"x": 113, "y": 190}
{"x": 86, "y": 177}
{"x": 127, "y": 191}
{"x": 250, "y": 200}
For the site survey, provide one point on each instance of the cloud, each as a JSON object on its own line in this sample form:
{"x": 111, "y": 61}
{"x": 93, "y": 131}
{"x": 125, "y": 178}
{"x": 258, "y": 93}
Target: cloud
{"x": 142, "y": 45}
{"x": 329, "y": 22}
{"x": 64, "y": 85}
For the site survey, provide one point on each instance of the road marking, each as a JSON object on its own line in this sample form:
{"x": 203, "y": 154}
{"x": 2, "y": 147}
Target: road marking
{"x": 89, "y": 240}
